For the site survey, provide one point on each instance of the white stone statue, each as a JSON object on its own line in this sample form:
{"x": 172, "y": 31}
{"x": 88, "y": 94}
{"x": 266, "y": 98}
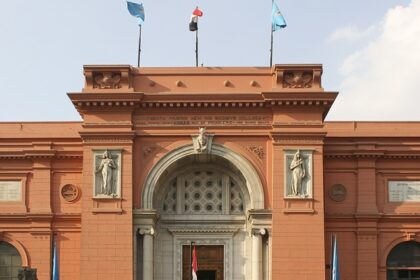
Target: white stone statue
{"x": 107, "y": 167}
{"x": 201, "y": 141}
{"x": 297, "y": 166}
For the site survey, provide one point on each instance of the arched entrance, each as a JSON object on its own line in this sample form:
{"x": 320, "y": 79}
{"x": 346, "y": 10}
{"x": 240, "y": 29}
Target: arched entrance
{"x": 205, "y": 199}
{"x": 403, "y": 261}
{"x": 10, "y": 261}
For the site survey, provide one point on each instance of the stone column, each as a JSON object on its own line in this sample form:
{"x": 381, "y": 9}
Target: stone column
{"x": 257, "y": 253}
{"x": 147, "y": 252}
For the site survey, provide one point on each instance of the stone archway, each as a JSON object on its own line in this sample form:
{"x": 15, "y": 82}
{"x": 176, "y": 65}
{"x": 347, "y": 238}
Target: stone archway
{"x": 253, "y": 182}
{"x": 20, "y": 249}
{"x": 165, "y": 232}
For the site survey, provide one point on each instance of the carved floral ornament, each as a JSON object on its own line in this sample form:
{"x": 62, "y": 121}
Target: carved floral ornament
{"x": 257, "y": 150}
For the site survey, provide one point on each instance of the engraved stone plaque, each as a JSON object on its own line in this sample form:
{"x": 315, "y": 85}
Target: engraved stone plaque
{"x": 399, "y": 191}
{"x": 10, "y": 191}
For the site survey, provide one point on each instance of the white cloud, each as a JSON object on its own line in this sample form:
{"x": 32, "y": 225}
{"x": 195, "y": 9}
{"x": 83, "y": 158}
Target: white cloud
{"x": 381, "y": 80}
{"x": 350, "y": 34}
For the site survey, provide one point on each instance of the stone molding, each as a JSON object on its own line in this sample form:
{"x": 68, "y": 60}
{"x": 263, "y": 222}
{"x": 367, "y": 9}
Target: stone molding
{"x": 107, "y": 137}
{"x": 203, "y": 229}
{"x": 288, "y": 138}
{"x": 370, "y": 155}
{"x": 260, "y": 218}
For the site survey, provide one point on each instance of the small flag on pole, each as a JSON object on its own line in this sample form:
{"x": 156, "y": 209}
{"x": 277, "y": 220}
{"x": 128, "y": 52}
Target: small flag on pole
{"x": 136, "y": 10}
{"x": 194, "y": 264}
{"x": 56, "y": 271}
{"x": 335, "y": 272}
{"x": 194, "y": 19}
{"x": 277, "y": 22}
{"x": 277, "y": 19}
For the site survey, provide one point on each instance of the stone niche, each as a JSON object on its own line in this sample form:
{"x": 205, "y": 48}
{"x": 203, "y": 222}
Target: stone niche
{"x": 107, "y": 173}
{"x": 298, "y": 170}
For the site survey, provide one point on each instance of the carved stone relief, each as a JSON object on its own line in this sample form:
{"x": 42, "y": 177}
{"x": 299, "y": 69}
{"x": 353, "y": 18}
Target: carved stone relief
{"x": 202, "y": 142}
{"x": 149, "y": 150}
{"x": 258, "y": 151}
{"x": 298, "y": 170}
{"x": 107, "y": 174}
{"x": 338, "y": 193}
{"x": 297, "y": 79}
{"x": 107, "y": 80}
{"x": 69, "y": 192}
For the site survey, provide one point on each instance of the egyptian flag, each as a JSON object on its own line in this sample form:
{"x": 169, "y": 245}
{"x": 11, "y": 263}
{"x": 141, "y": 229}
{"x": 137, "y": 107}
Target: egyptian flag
{"x": 194, "y": 19}
{"x": 194, "y": 264}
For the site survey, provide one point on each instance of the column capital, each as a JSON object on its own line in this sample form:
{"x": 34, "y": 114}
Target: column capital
{"x": 147, "y": 231}
{"x": 258, "y": 231}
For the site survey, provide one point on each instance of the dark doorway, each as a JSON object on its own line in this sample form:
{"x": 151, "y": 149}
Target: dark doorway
{"x": 206, "y": 275}
{"x": 210, "y": 262}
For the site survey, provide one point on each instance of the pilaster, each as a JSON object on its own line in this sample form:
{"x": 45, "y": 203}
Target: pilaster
{"x": 106, "y": 105}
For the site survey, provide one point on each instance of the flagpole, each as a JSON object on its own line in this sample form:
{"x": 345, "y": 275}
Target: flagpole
{"x": 332, "y": 256}
{"x": 196, "y": 48}
{"x": 271, "y": 29}
{"x": 190, "y": 277}
{"x": 139, "y": 50}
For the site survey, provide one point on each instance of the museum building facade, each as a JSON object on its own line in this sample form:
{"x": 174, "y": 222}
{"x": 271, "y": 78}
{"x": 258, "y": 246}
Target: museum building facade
{"x": 237, "y": 161}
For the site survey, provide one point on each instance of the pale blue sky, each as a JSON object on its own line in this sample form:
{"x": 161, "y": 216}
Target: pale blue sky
{"x": 45, "y": 43}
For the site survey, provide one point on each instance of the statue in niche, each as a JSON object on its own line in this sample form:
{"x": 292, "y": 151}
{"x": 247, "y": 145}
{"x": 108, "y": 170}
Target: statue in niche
{"x": 297, "y": 166}
{"x": 200, "y": 143}
{"x": 107, "y": 167}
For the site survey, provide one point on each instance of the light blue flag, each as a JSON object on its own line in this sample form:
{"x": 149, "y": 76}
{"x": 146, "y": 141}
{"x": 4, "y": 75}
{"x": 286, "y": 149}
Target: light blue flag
{"x": 56, "y": 271}
{"x": 335, "y": 271}
{"x": 136, "y": 10}
{"x": 277, "y": 19}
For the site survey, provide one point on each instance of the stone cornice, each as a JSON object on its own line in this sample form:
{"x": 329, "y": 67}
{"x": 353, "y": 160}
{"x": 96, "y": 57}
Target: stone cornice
{"x": 106, "y": 137}
{"x": 201, "y": 229}
{"x": 371, "y": 155}
{"x": 27, "y": 154}
{"x": 284, "y": 138}
{"x": 122, "y": 101}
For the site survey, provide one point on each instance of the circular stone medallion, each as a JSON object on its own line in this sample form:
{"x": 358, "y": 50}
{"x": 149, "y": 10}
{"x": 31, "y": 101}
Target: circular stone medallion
{"x": 69, "y": 192}
{"x": 338, "y": 192}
